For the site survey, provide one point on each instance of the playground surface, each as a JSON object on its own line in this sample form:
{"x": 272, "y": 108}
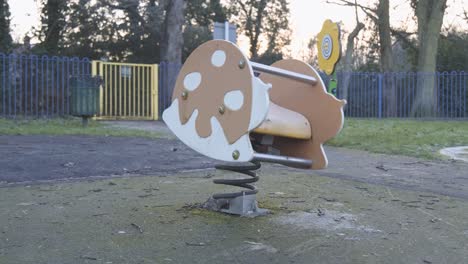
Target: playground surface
{"x": 97, "y": 199}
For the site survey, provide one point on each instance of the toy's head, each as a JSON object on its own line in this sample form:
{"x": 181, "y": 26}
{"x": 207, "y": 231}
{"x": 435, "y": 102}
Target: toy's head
{"x": 217, "y": 100}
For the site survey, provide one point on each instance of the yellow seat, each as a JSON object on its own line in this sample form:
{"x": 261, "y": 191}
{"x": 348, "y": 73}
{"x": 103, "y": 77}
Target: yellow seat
{"x": 283, "y": 122}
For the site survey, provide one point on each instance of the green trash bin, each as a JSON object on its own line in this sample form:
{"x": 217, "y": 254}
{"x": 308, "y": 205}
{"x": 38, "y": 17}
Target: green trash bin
{"x": 84, "y": 101}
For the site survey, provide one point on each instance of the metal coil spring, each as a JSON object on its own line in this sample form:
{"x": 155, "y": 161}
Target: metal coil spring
{"x": 243, "y": 183}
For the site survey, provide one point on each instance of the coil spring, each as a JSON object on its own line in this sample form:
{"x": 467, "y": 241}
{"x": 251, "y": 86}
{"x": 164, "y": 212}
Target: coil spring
{"x": 243, "y": 183}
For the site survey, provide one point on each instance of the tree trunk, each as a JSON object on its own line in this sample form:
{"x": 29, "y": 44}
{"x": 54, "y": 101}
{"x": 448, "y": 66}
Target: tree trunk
{"x": 55, "y": 21}
{"x": 173, "y": 40}
{"x": 386, "y": 59}
{"x": 5, "y": 37}
{"x": 348, "y": 61}
{"x": 257, "y": 29}
{"x": 430, "y": 14}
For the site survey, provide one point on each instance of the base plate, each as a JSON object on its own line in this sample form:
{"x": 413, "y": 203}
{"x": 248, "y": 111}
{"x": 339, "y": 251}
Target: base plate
{"x": 245, "y": 205}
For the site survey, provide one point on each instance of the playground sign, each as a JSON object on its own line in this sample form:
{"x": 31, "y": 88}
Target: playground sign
{"x": 329, "y": 48}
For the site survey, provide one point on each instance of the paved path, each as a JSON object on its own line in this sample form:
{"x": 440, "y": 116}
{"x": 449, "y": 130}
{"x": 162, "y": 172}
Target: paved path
{"x": 449, "y": 177}
{"x": 34, "y": 158}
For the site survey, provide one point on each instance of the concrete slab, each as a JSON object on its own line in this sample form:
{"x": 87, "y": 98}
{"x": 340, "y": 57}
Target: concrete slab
{"x": 457, "y": 153}
{"x": 153, "y": 219}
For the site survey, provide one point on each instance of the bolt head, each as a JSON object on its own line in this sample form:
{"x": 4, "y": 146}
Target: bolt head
{"x": 221, "y": 109}
{"x": 242, "y": 64}
{"x": 235, "y": 154}
{"x": 184, "y": 95}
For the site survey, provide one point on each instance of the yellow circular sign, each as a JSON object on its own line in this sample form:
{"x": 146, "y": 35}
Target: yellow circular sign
{"x": 329, "y": 48}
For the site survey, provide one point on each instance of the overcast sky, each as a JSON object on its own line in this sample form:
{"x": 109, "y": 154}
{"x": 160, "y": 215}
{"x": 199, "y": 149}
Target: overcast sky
{"x": 306, "y": 18}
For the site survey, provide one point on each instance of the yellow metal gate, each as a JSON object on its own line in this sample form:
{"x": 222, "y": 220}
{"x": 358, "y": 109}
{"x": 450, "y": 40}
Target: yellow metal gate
{"x": 129, "y": 91}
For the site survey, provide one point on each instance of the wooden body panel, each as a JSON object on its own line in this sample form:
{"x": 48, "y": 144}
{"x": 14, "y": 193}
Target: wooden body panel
{"x": 323, "y": 111}
{"x": 216, "y": 81}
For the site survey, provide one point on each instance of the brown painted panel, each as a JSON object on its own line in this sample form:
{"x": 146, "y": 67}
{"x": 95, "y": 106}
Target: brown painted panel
{"x": 215, "y": 83}
{"x": 323, "y": 111}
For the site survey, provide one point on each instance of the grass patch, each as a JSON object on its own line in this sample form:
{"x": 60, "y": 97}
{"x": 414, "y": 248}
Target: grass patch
{"x": 414, "y": 138}
{"x": 66, "y": 126}
{"x": 403, "y": 137}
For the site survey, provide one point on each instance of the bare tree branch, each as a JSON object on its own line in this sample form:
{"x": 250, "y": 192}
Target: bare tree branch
{"x": 404, "y": 36}
{"x": 356, "y": 10}
{"x": 370, "y": 12}
{"x": 349, "y": 3}
{"x": 464, "y": 15}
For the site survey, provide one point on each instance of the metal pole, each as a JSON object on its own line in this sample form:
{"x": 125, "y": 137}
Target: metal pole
{"x": 226, "y": 30}
{"x": 284, "y": 160}
{"x": 283, "y": 73}
{"x": 380, "y": 95}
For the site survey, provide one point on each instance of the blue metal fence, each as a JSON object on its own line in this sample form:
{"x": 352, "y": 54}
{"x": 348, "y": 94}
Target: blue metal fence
{"x": 167, "y": 77}
{"x": 37, "y": 86}
{"x": 393, "y": 95}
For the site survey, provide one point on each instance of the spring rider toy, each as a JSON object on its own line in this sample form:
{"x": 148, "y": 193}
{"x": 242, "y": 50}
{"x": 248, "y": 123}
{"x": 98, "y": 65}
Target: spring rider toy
{"x": 231, "y": 109}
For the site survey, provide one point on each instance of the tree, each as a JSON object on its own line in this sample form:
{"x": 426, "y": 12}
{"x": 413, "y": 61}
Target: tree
{"x": 263, "y": 19}
{"x": 5, "y": 37}
{"x": 140, "y": 37}
{"x": 154, "y": 23}
{"x": 465, "y": 15}
{"x": 173, "y": 36}
{"x": 348, "y": 60}
{"x": 380, "y": 15}
{"x": 85, "y": 32}
{"x": 194, "y": 36}
{"x": 204, "y": 12}
{"x": 53, "y": 14}
{"x": 200, "y": 16}
{"x": 430, "y": 14}
{"x": 132, "y": 35}
{"x": 452, "y": 54}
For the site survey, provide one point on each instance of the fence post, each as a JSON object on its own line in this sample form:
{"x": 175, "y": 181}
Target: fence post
{"x": 95, "y": 72}
{"x": 155, "y": 92}
{"x": 380, "y": 94}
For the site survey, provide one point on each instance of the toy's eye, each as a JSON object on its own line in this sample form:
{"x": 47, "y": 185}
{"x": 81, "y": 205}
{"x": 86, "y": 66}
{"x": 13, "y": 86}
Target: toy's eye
{"x": 234, "y": 100}
{"x": 218, "y": 58}
{"x": 192, "y": 81}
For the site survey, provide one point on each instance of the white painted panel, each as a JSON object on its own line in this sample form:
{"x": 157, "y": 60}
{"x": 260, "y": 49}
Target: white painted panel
{"x": 192, "y": 81}
{"x": 218, "y": 58}
{"x": 260, "y": 103}
{"x": 215, "y": 146}
{"x": 234, "y": 100}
